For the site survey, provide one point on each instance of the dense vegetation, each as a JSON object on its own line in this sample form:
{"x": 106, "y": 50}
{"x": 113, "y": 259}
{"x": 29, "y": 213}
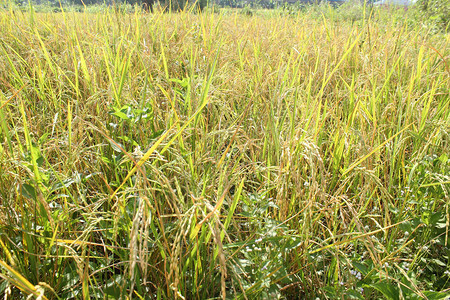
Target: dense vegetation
{"x": 195, "y": 156}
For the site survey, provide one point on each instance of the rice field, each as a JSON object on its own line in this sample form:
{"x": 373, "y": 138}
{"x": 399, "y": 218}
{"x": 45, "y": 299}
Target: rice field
{"x": 223, "y": 156}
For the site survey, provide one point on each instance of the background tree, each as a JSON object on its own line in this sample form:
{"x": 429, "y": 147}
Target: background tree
{"x": 178, "y": 5}
{"x": 147, "y": 5}
{"x": 438, "y": 11}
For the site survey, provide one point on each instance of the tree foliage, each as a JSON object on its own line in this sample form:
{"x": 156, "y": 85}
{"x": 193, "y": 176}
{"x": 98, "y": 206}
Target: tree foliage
{"x": 438, "y": 11}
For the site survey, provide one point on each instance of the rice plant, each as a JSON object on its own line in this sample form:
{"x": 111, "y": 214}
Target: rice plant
{"x": 220, "y": 155}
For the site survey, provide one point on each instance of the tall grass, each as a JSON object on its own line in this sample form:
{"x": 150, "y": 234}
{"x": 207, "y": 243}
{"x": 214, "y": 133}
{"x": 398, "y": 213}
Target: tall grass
{"x": 202, "y": 156}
